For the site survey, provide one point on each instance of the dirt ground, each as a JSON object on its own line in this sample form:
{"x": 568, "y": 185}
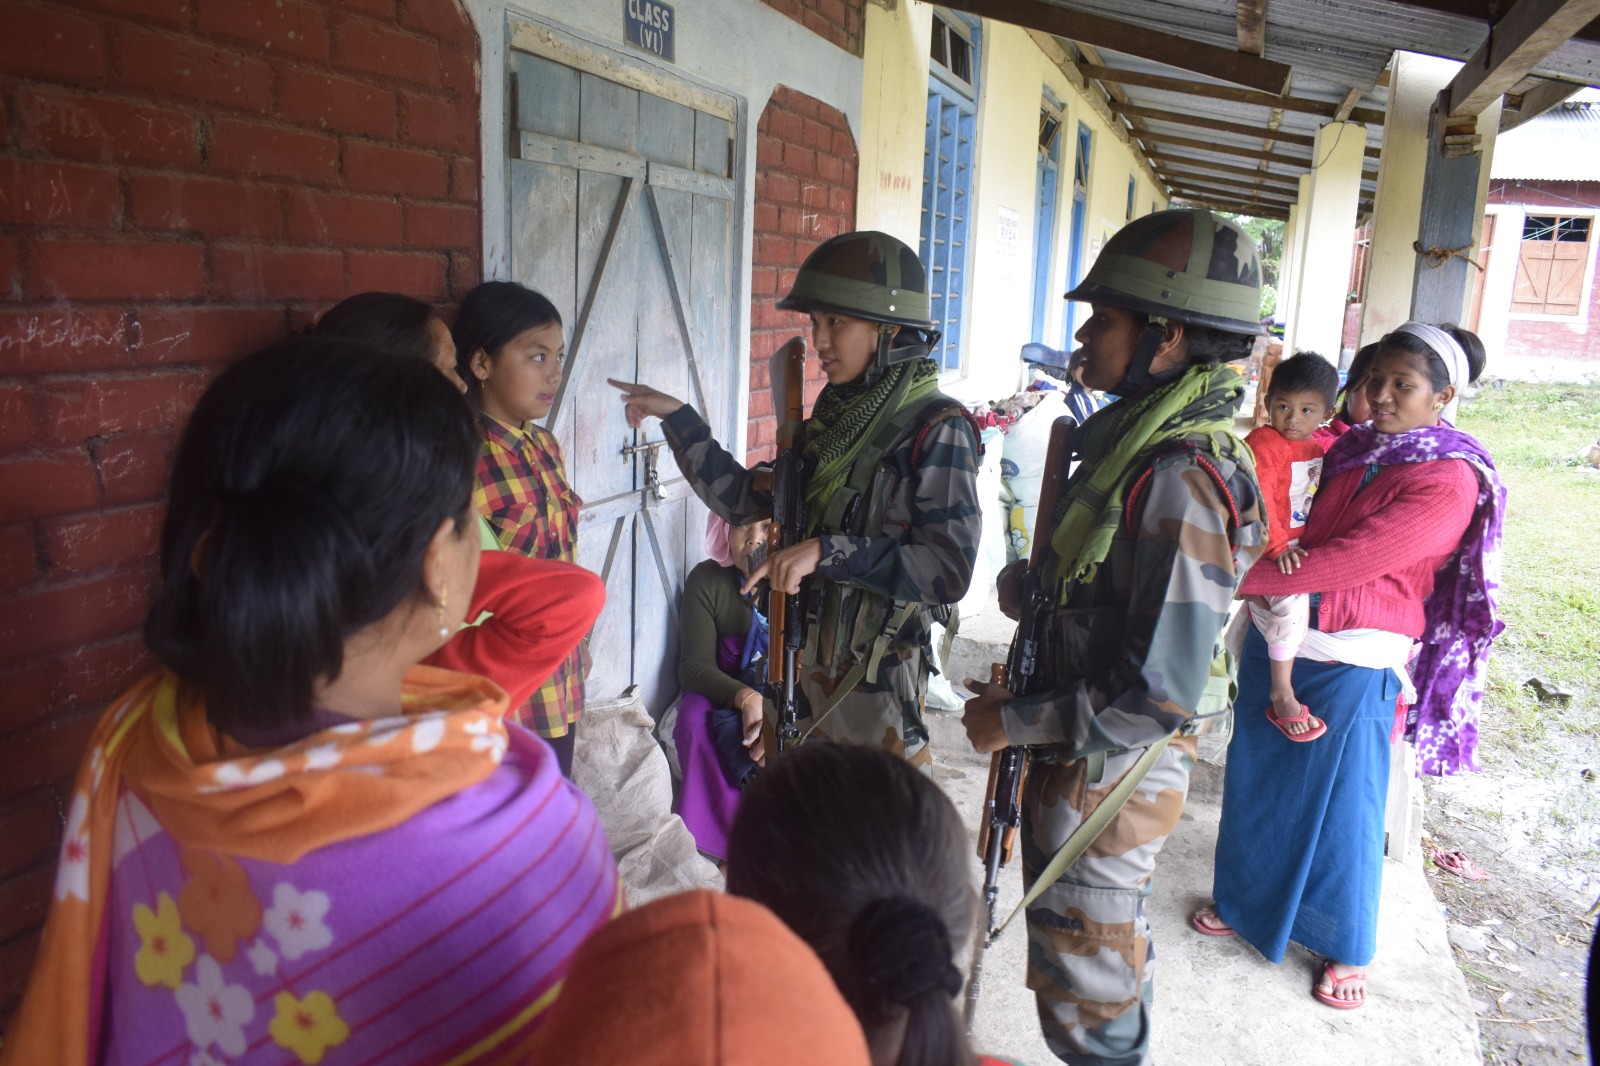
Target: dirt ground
{"x": 1531, "y": 818}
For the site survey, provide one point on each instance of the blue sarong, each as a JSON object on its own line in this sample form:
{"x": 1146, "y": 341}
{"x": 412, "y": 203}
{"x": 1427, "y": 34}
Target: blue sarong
{"x": 1300, "y": 849}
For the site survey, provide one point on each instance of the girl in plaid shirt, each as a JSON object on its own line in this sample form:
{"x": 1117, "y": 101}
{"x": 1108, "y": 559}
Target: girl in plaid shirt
{"x": 510, "y": 353}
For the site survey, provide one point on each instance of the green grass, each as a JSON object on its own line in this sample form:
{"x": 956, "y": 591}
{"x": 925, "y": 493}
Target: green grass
{"x": 1550, "y": 587}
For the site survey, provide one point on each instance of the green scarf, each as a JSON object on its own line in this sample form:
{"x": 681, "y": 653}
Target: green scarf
{"x": 843, "y": 420}
{"x": 1115, "y": 442}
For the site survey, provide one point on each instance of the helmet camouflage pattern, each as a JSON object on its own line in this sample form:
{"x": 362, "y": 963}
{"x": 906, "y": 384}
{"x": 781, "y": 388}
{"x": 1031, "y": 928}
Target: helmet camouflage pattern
{"x": 865, "y": 274}
{"x": 1186, "y": 264}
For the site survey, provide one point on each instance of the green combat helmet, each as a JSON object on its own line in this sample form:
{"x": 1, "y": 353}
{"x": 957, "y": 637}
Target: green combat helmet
{"x": 873, "y": 276}
{"x": 1183, "y": 265}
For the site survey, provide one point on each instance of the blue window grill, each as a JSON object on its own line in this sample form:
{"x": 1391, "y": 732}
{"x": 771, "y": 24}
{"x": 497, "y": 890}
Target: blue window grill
{"x": 947, "y": 180}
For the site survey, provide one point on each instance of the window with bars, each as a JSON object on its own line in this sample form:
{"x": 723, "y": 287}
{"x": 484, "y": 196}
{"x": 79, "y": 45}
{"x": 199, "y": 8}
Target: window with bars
{"x": 947, "y": 178}
{"x": 1551, "y": 264}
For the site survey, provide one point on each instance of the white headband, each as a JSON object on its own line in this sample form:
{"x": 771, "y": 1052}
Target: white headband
{"x": 1444, "y": 346}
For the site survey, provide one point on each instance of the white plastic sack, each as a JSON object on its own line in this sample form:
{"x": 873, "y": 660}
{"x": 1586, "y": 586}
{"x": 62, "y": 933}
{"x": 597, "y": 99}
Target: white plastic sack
{"x": 1026, "y": 446}
{"x": 619, "y": 765}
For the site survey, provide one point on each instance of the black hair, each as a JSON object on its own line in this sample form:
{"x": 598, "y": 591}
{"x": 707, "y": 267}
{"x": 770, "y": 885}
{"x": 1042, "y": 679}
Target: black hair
{"x": 1354, "y": 377}
{"x": 883, "y": 898}
{"x": 1438, "y": 371}
{"x": 307, "y": 486}
{"x": 492, "y": 314}
{"x": 1210, "y": 345}
{"x": 385, "y": 320}
{"x": 1305, "y": 372}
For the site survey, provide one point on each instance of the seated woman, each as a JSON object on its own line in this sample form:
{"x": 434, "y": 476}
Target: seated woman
{"x": 1402, "y": 545}
{"x": 886, "y": 901}
{"x": 723, "y": 640}
{"x": 292, "y": 841}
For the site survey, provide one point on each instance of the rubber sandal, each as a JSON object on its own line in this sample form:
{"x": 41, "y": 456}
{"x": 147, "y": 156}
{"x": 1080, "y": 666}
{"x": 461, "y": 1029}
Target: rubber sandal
{"x": 1305, "y": 715}
{"x": 1201, "y": 927}
{"x": 1335, "y": 980}
{"x": 1458, "y": 863}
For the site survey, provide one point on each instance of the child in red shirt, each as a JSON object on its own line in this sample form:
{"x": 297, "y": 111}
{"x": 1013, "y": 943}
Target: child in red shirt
{"x": 1288, "y": 463}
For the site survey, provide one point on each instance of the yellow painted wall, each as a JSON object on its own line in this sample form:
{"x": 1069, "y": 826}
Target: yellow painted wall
{"x": 894, "y": 108}
{"x": 1013, "y": 74}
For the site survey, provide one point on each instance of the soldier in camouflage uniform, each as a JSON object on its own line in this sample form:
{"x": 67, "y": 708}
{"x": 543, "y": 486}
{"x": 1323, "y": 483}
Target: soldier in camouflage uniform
{"x": 1159, "y": 523}
{"x": 891, "y": 493}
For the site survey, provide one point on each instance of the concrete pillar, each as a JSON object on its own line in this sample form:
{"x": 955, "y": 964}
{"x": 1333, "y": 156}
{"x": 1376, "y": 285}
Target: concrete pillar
{"x": 1296, "y": 259}
{"x": 1286, "y": 262}
{"x": 1414, "y": 84}
{"x": 1330, "y": 194}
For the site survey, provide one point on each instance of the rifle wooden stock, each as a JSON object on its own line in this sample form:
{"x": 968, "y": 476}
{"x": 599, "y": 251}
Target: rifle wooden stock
{"x": 785, "y": 615}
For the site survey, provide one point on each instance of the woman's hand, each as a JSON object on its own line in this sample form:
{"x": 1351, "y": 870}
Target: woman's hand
{"x": 1289, "y": 559}
{"x": 641, "y": 402}
{"x": 750, "y": 709}
{"x": 981, "y": 716}
{"x": 785, "y": 568}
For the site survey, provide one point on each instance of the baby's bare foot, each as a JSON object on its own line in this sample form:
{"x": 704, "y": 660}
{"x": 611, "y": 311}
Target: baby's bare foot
{"x": 1286, "y": 706}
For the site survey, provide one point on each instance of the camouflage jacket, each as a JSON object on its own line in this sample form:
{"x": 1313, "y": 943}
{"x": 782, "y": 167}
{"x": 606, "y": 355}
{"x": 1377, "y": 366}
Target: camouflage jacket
{"x": 1129, "y": 654}
{"x": 922, "y": 550}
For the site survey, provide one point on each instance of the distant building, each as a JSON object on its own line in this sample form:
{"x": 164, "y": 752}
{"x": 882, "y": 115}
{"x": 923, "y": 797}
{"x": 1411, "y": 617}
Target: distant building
{"x": 1535, "y": 302}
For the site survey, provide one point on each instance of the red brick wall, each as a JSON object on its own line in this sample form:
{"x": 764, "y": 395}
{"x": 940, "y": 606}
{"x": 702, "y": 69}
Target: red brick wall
{"x": 805, "y": 193}
{"x": 839, "y": 21}
{"x": 180, "y": 181}
{"x": 1574, "y": 339}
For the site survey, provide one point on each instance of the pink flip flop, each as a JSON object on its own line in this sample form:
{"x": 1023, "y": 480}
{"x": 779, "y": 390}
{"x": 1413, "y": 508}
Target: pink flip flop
{"x": 1202, "y": 927}
{"x": 1335, "y": 981}
{"x": 1305, "y": 715}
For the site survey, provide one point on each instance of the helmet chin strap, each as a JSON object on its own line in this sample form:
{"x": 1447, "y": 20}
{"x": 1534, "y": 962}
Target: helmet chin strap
{"x": 1138, "y": 377}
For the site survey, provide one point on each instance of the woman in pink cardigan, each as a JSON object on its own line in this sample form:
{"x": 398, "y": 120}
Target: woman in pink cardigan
{"x": 1402, "y": 547}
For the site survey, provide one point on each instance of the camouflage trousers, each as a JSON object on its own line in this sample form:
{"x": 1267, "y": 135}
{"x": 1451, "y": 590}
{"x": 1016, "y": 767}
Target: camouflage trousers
{"x": 1091, "y": 961}
{"x": 886, "y": 712}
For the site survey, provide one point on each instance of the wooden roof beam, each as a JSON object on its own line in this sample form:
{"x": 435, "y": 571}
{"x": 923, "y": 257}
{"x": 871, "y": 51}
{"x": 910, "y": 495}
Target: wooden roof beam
{"x": 1184, "y": 53}
{"x": 1232, "y": 149}
{"x": 1187, "y": 162}
{"x": 1516, "y": 43}
{"x": 1251, "y": 19}
{"x": 1254, "y": 190}
{"x": 1208, "y": 189}
{"x": 1203, "y": 122}
{"x": 1347, "y": 106}
{"x": 1228, "y": 92}
{"x": 1535, "y": 102}
{"x": 1222, "y": 204}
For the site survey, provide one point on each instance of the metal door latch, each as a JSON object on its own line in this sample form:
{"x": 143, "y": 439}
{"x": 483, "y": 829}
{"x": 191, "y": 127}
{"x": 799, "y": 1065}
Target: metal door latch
{"x": 652, "y": 479}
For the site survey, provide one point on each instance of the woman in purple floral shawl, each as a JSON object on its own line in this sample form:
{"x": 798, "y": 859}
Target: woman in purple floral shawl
{"x": 1403, "y": 548}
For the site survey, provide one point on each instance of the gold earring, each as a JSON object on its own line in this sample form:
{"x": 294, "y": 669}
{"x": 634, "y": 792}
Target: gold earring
{"x": 444, "y": 627}
{"x": 1438, "y": 407}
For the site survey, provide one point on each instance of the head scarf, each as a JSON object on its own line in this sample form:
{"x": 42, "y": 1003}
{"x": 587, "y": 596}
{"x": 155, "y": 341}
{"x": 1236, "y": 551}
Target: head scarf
{"x": 1445, "y": 347}
{"x": 717, "y": 547}
{"x": 1461, "y": 617}
{"x": 699, "y": 979}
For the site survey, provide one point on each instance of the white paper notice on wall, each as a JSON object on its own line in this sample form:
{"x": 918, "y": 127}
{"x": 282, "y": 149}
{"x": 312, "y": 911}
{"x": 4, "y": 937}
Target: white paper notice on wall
{"x": 1010, "y": 244}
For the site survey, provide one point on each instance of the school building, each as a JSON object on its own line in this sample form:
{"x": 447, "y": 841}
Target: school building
{"x": 184, "y": 180}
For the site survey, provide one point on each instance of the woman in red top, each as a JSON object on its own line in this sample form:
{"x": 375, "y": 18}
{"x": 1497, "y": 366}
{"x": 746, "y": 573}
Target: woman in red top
{"x": 1402, "y": 545}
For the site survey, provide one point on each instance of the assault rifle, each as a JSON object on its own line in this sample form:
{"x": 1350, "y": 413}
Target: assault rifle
{"x": 785, "y": 614}
{"x": 1008, "y": 768}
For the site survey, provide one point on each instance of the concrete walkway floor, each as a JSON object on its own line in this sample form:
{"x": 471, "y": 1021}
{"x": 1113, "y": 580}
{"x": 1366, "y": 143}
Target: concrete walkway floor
{"x": 1218, "y": 1001}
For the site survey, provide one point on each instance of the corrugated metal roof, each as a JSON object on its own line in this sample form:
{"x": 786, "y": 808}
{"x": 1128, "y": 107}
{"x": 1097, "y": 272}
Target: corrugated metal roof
{"x": 1563, "y": 144}
{"x": 1333, "y": 46}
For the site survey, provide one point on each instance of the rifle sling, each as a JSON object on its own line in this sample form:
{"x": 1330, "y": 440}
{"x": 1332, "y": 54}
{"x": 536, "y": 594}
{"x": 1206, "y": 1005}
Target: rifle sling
{"x": 867, "y": 669}
{"x": 1087, "y": 832}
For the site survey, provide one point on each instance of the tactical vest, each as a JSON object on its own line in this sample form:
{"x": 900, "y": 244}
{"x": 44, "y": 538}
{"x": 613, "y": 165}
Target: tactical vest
{"x": 849, "y": 625}
{"x": 1085, "y": 635}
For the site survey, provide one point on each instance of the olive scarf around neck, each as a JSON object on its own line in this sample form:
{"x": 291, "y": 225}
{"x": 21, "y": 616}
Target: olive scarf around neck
{"x": 843, "y": 421}
{"x": 1115, "y": 442}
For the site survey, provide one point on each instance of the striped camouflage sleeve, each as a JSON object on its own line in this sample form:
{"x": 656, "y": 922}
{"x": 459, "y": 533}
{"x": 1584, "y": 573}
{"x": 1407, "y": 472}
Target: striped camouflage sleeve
{"x": 721, "y": 482}
{"x": 1184, "y": 574}
{"x": 932, "y": 561}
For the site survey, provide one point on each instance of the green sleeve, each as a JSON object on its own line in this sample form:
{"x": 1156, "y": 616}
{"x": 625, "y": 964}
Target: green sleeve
{"x": 712, "y": 609}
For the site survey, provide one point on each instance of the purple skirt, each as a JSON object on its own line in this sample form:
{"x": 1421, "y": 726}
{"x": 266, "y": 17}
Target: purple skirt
{"x": 708, "y": 801}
